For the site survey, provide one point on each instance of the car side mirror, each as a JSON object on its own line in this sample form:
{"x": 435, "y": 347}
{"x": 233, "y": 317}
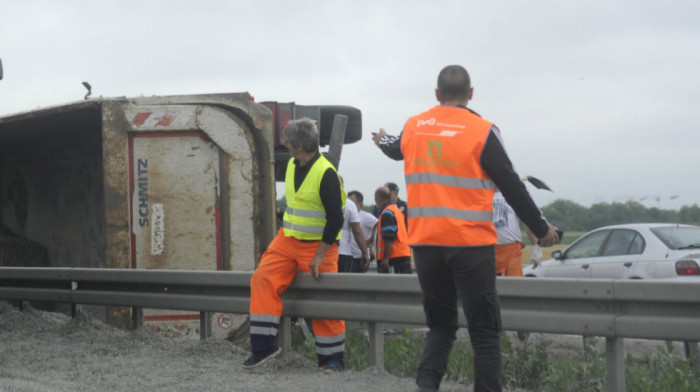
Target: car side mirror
{"x": 557, "y": 255}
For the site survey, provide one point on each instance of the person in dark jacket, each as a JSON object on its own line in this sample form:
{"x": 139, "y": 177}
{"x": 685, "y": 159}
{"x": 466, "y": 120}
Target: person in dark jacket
{"x": 453, "y": 162}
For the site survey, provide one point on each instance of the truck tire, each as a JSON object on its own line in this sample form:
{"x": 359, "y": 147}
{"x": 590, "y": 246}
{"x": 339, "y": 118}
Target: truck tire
{"x": 353, "y": 132}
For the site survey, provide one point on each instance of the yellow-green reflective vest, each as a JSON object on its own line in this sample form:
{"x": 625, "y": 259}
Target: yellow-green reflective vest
{"x": 305, "y": 216}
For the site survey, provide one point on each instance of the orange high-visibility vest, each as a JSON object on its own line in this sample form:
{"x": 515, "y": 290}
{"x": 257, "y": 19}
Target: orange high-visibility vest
{"x": 449, "y": 193}
{"x": 399, "y": 248}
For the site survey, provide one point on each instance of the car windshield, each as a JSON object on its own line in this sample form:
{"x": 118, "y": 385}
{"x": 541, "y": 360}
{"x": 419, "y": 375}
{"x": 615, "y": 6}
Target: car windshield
{"x": 678, "y": 237}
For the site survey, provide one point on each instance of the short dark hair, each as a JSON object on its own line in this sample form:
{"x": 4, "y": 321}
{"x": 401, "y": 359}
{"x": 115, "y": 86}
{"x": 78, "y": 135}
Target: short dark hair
{"x": 382, "y": 193}
{"x": 453, "y": 83}
{"x": 392, "y": 186}
{"x": 357, "y": 195}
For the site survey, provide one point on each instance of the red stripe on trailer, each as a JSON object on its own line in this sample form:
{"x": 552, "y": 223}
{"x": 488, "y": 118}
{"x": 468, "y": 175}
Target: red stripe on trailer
{"x": 141, "y": 118}
{"x": 166, "y": 120}
{"x": 131, "y": 200}
{"x": 219, "y": 258}
{"x": 172, "y": 317}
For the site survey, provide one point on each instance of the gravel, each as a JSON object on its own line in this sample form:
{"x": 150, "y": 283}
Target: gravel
{"x": 45, "y": 351}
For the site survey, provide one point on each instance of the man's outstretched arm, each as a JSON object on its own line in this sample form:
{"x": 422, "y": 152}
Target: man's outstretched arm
{"x": 390, "y": 145}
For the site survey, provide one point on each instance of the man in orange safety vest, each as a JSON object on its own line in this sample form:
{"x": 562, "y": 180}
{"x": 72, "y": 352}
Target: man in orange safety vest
{"x": 453, "y": 161}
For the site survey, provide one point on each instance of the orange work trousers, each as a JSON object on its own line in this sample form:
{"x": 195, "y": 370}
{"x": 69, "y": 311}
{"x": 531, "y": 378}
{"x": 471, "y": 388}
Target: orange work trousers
{"x": 509, "y": 259}
{"x": 283, "y": 259}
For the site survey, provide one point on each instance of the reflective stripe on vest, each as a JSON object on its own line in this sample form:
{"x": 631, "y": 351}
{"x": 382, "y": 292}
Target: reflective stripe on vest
{"x": 305, "y": 216}
{"x": 399, "y": 247}
{"x": 449, "y": 194}
{"x": 446, "y": 212}
{"x": 443, "y": 179}
{"x": 307, "y": 213}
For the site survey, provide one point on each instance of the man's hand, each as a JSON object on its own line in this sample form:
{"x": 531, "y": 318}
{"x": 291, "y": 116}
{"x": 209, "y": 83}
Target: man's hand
{"x": 551, "y": 238}
{"x": 365, "y": 262}
{"x": 378, "y": 136}
{"x": 385, "y": 264}
{"x": 535, "y": 255}
{"x": 313, "y": 267}
{"x": 318, "y": 259}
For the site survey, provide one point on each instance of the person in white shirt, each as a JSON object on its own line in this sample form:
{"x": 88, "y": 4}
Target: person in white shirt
{"x": 509, "y": 249}
{"x": 368, "y": 223}
{"x": 352, "y": 234}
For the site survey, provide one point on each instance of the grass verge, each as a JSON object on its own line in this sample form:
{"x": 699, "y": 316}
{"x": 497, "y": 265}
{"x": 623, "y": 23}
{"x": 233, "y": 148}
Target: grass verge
{"x": 526, "y": 364}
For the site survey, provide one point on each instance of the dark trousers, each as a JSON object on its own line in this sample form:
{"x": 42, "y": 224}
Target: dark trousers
{"x": 401, "y": 265}
{"x": 344, "y": 263}
{"x": 444, "y": 274}
{"x": 357, "y": 265}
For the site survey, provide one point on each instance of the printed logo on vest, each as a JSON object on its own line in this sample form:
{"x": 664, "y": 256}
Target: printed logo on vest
{"x": 434, "y": 149}
{"x": 430, "y": 121}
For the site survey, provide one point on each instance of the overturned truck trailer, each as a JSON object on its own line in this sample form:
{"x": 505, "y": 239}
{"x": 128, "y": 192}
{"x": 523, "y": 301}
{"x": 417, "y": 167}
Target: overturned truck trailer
{"x": 178, "y": 182}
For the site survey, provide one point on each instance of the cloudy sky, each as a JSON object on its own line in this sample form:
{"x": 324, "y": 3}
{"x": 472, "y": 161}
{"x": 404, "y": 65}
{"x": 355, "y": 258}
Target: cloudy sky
{"x": 601, "y": 99}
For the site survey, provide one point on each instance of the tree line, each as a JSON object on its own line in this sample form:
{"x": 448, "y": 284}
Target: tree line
{"x": 570, "y": 216}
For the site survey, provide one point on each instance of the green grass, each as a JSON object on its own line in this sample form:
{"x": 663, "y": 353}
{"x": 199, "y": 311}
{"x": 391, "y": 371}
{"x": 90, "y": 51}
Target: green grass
{"x": 527, "y": 365}
{"x": 666, "y": 371}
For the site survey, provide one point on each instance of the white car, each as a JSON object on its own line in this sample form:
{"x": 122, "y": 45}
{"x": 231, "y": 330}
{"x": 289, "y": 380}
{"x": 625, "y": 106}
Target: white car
{"x": 632, "y": 251}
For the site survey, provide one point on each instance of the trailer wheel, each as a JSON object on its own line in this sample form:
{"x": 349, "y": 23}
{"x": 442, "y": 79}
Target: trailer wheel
{"x": 353, "y": 132}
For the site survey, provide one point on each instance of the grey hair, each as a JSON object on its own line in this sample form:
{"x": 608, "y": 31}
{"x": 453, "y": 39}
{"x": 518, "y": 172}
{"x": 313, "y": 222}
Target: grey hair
{"x": 453, "y": 82}
{"x": 302, "y": 133}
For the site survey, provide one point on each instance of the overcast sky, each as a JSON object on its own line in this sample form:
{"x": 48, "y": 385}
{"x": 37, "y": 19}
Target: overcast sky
{"x": 600, "y": 99}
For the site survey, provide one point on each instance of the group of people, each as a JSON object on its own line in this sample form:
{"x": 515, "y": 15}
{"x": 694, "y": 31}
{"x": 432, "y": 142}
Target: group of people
{"x": 386, "y": 224}
{"x": 454, "y": 161}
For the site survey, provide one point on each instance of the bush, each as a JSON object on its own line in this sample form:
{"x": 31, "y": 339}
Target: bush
{"x": 525, "y": 365}
{"x": 667, "y": 371}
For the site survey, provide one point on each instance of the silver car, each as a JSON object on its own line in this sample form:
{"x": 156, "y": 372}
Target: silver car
{"x": 632, "y": 251}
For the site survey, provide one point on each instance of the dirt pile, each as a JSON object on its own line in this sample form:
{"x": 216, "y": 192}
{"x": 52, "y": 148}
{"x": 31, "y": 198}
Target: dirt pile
{"x": 43, "y": 351}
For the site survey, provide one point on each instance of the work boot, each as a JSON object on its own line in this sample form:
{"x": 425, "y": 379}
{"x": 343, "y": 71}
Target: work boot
{"x": 256, "y": 359}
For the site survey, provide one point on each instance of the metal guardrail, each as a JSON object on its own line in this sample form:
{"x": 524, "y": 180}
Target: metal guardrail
{"x": 589, "y": 307}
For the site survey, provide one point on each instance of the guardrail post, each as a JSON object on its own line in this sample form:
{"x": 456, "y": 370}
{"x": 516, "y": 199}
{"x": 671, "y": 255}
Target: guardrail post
{"x": 615, "y": 358}
{"x": 284, "y": 335}
{"x": 136, "y": 317}
{"x": 204, "y": 326}
{"x": 692, "y": 353}
{"x": 74, "y": 308}
{"x": 376, "y": 345}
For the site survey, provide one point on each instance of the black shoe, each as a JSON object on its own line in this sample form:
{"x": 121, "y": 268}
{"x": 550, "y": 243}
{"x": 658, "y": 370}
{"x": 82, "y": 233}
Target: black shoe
{"x": 333, "y": 367}
{"x": 257, "y": 359}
